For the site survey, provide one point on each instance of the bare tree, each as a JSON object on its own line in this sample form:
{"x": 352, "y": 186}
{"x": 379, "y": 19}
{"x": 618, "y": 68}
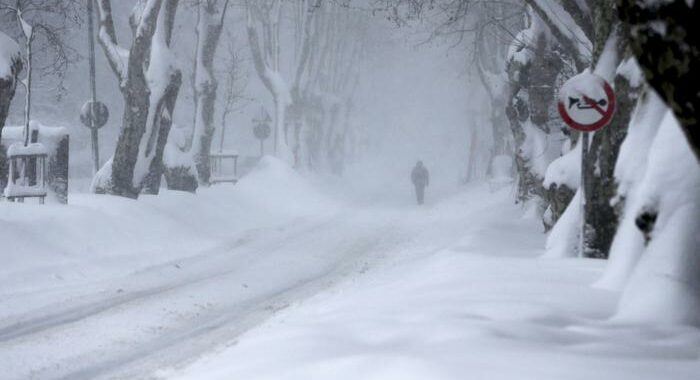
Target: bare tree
{"x": 52, "y": 21}
{"x": 235, "y": 83}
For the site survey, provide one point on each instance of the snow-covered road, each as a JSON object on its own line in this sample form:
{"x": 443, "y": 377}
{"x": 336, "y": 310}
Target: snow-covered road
{"x": 277, "y": 282}
{"x": 63, "y": 316}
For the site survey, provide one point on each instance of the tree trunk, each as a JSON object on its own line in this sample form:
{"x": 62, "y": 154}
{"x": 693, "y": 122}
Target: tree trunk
{"x": 152, "y": 181}
{"x": 602, "y": 218}
{"x": 669, "y": 56}
{"x": 209, "y": 27}
{"x": 8, "y": 85}
{"x": 137, "y": 161}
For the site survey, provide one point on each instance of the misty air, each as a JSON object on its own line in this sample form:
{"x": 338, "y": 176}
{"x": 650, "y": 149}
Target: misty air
{"x": 349, "y": 189}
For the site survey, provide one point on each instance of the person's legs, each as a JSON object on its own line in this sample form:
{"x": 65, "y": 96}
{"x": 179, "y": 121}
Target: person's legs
{"x": 420, "y": 194}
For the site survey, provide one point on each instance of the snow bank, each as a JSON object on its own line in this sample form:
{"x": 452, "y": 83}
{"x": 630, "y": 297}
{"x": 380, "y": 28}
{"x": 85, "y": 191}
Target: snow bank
{"x": 276, "y": 186}
{"x": 540, "y": 148}
{"x": 565, "y": 170}
{"x": 564, "y": 238}
{"x": 98, "y": 236}
{"x": 479, "y": 308}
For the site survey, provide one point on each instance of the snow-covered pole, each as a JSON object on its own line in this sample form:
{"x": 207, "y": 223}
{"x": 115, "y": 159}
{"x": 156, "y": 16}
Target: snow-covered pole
{"x": 584, "y": 191}
{"x": 28, "y": 32}
{"x": 93, "y": 90}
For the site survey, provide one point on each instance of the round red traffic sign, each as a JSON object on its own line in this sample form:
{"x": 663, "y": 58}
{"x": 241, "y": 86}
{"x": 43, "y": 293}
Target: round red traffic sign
{"x": 586, "y": 102}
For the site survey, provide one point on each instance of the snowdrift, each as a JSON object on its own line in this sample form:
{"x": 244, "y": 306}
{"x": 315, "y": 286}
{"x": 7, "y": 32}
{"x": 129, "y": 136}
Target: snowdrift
{"x": 98, "y": 236}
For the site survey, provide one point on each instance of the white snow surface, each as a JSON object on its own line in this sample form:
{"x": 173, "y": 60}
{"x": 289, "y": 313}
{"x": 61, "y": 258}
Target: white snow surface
{"x": 479, "y": 307}
{"x": 18, "y": 149}
{"x": 665, "y": 285}
{"x": 290, "y": 277}
{"x": 565, "y": 170}
{"x": 540, "y": 148}
{"x": 564, "y": 238}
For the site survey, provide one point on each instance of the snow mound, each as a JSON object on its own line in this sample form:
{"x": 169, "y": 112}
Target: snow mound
{"x": 277, "y": 186}
{"x": 565, "y": 170}
{"x": 103, "y": 236}
{"x": 563, "y": 240}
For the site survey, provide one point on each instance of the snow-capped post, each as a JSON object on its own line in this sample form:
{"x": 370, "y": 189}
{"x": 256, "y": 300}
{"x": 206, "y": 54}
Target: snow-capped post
{"x": 586, "y": 103}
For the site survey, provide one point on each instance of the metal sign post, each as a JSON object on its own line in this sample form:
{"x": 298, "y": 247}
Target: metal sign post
{"x": 584, "y": 192}
{"x": 93, "y": 89}
{"x": 586, "y": 103}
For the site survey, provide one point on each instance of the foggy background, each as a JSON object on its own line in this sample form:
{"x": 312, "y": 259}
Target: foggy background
{"x": 414, "y": 100}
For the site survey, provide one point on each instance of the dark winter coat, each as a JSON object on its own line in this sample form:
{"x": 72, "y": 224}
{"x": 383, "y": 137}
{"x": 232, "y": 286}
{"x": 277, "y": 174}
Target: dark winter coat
{"x": 420, "y": 176}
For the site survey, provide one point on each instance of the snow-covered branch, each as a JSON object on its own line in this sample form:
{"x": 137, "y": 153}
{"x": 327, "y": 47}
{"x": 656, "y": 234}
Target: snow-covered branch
{"x": 117, "y": 56}
{"x": 565, "y": 29}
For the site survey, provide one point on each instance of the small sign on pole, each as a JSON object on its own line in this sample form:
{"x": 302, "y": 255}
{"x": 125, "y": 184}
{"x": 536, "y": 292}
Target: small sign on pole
{"x": 94, "y": 114}
{"x": 586, "y": 103}
{"x": 261, "y": 128}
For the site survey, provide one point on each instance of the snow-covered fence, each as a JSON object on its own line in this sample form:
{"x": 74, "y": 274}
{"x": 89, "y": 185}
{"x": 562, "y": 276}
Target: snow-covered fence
{"x": 224, "y": 167}
{"x": 56, "y": 142}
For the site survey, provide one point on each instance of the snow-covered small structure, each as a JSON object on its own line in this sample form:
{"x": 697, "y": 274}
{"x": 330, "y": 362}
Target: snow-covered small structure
{"x": 27, "y": 172}
{"x": 56, "y": 144}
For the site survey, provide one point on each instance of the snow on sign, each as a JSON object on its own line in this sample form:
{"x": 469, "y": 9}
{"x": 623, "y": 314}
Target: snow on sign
{"x": 586, "y": 102}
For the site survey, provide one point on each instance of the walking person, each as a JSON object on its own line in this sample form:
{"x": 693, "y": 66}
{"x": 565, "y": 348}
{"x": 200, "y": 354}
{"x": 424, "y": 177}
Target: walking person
{"x": 421, "y": 179}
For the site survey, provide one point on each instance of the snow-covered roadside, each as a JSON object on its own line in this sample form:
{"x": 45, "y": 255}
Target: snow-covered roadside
{"x": 94, "y": 285}
{"x": 101, "y": 236}
{"x": 144, "y": 297}
{"x": 484, "y": 307}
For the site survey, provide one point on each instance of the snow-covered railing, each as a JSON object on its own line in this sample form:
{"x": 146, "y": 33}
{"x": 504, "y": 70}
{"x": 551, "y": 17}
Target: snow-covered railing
{"x": 224, "y": 167}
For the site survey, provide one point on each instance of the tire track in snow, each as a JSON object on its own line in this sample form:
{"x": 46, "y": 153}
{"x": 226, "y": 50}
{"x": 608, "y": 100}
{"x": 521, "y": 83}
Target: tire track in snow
{"x": 69, "y": 314}
{"x": 210, "y": 329}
